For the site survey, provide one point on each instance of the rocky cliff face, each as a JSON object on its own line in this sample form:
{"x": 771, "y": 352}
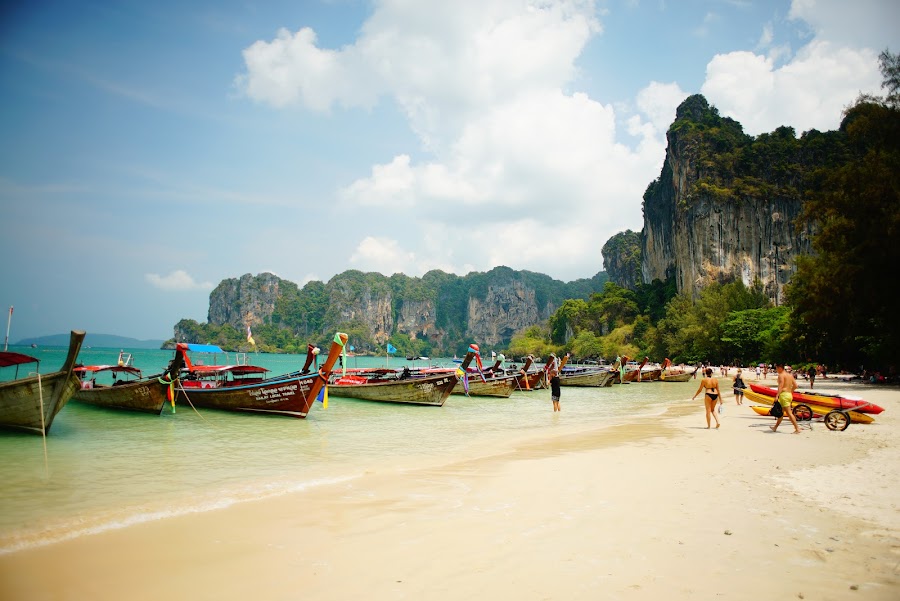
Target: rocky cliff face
{"x": 371, "y": 306}
{"x": 443, "y": 312}
{"x": 506, "y": 309}
{"x": 418, "y": 320}
{"x": 249, "y": 300}
{"x": 704, "y": 223}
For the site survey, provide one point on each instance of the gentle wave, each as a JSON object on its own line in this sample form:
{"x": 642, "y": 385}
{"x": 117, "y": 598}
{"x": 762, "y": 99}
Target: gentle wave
{"x": 59, "y": 532}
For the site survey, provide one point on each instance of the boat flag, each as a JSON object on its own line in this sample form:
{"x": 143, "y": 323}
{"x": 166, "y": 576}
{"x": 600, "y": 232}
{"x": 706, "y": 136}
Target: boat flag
{"x": 323, "y": 397}
{"x": 391, "y": 349}
{"x": 250, "y": 336}
{"x": 464, "y": 378}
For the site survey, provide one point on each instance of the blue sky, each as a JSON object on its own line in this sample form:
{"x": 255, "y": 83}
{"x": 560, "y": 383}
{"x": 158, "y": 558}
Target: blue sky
{"x": 150, "y": 150}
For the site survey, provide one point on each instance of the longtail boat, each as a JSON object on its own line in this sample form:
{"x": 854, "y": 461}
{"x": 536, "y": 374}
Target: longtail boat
{"x": 529, "y": 380}
{"x": 672, "y": 375}
{"x": 835, "y": 401}
{"x": 499, "y": 386}
{"x": 650, "y": 373}
{"x": 30, "y": 403}
{"x": 633, "y": 375}
{"x": 397, "y": 386}
{"x": 128, "y": 388}
{"x": 585, "y": 376}
{"x": 477, "y": 383}
{"x": 242, "y": 387}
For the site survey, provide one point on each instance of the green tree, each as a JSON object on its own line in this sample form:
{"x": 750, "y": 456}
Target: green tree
{"x": 570, "y": 317}
{"x": 845, "y": 313}
{"x": 533, "y": 340}
{"x": 890, "y": 71}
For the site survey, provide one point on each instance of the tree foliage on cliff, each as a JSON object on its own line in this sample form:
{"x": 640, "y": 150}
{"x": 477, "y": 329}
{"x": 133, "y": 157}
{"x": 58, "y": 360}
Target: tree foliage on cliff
{"x": 311, "y": 314}
{"x": 622, "y": 258}
{"x": 842, "y": 299}
{"x": 733, "y": 166}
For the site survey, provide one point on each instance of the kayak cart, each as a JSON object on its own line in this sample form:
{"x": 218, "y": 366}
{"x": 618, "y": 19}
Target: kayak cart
{"x": 835, "y": 420}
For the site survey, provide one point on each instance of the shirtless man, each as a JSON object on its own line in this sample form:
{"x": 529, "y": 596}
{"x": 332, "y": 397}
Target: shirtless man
{"x": 786, "y": 387}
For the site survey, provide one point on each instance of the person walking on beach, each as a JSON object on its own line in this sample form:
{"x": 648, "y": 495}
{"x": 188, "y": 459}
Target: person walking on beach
{"x": 554, "y": 384}
{"x": 786, "y": 387}
{"x": 811, "y": 372}
{"x": 739, "y": 387}
{"x": 711, "y": 398}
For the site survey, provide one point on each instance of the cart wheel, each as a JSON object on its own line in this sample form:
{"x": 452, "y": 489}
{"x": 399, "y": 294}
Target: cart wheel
{"x": 837, "y": 420}
{"x": 802, "y": 412}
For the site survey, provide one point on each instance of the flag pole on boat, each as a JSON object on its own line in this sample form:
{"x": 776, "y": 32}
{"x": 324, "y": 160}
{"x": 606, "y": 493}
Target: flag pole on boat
{"x": 8, "y": 319}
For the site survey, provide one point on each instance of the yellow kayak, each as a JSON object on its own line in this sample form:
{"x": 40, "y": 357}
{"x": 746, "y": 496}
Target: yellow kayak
{"x": 818, "y": 410}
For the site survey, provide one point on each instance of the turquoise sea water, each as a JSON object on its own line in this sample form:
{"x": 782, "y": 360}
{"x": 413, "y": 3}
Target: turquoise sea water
{"x": 108, "y": 469}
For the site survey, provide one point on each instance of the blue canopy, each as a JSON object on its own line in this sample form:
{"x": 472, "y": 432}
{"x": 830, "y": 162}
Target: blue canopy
{"x": 204, "y": 348}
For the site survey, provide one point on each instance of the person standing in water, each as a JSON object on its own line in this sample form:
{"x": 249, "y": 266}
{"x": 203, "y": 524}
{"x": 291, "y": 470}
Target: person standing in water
{"x": 711, "y": 398}
{"x": 554, "y": 383}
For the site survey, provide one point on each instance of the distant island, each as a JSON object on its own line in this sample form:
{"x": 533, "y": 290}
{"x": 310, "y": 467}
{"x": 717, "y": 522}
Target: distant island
{"x": 93, "y": 340}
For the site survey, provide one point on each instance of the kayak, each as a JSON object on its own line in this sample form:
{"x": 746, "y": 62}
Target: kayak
{"x": 855, "y": 416}
{"x": 835, "y": 401}
{"x": 818, "y": 410}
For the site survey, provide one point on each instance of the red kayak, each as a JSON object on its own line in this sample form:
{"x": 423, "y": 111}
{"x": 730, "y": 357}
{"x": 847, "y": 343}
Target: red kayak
{"x": 825, "y": 399}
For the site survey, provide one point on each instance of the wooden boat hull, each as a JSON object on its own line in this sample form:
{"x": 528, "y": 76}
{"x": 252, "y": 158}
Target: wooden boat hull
{"x": 291, "y": 395}
{"x": 430, "y": 390}
{"x": 681, "y": 377}
{"x": 534, "y": 379}
{"x": 594, "y": 378}
{"x": 31, "y": 403}
{"x": 811, "y": 398}
{"x": 147, "y": 395}
{"x": 651, "y": 375}
{"x": 498, "y": 387}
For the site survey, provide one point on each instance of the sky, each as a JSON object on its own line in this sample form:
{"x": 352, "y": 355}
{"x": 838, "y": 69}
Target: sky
{"x": 149, "y": 150}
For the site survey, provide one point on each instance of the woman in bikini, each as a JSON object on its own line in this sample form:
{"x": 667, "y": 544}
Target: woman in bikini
{"x": 711, "y": 398}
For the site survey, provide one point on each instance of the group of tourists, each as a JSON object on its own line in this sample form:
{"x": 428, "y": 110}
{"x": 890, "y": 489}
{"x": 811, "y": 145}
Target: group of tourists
{"x": 787, "y": 384}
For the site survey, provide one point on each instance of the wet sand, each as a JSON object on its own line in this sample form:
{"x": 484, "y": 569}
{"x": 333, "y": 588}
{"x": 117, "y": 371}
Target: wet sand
{"x": 660, "y": 508}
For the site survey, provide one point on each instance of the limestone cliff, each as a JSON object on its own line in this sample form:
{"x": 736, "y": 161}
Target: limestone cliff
{"x": 249, "y": 300}
{"x": 726, "y": 205}
{"x": 440, "y": 313}
{"x": 506, "y": 309}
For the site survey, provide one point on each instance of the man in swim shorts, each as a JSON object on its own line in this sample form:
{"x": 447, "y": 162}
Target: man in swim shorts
{"x": 786, "y": 387}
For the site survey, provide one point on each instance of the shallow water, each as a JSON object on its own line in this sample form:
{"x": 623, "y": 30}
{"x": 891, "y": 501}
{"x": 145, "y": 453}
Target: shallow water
{"x": 107, "y": 469}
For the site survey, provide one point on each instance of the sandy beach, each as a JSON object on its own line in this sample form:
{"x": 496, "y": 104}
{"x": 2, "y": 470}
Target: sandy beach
{"x": 660, "y": 508}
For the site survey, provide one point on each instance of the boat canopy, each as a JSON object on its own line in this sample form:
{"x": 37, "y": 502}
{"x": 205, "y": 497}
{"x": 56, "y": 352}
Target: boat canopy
{"x": 203, "y": 348}
{"x": 237, "y": 370}
{"x": 115, "y": 369}
{"x": 8, "y": 358}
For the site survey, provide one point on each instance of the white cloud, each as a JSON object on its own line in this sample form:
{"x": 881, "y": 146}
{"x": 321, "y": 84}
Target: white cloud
{"x": 519, "y": 167}
{"x": 441, "y": 62}
{"x": 869, "y": 24}
{"x": 766, "y": 37}
{"x": 383, "y": 255}
{"x": 811, "y": 88}
{"x": 176, "y": 280}
{"x": 658, "y": 101}
{"x": 810, "y": 91}
{"x": 517, "y": 163}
